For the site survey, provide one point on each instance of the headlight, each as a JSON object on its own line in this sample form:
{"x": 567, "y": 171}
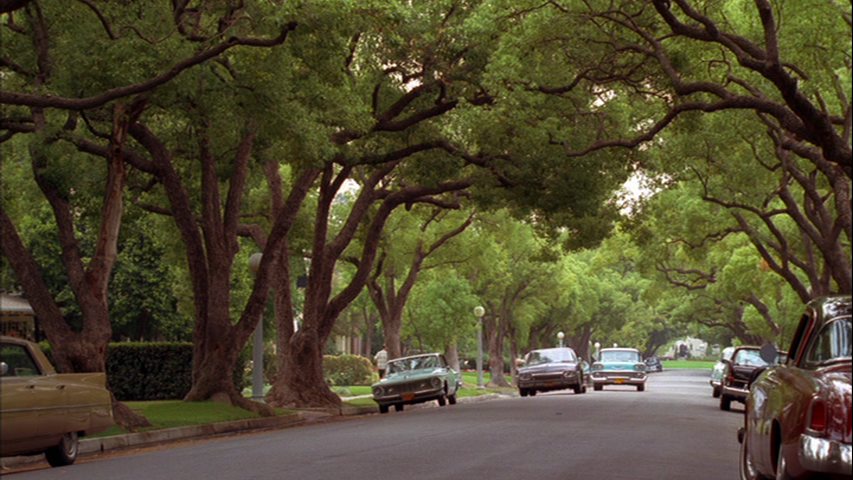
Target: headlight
{"x": 435, "y": 382}
{"x": 377, "y": 391}
{"x": 597, "y": 366}
{"x": 567, "y": 373}
{"x": 640, "y": 367}
{"x": 525, "y": 376}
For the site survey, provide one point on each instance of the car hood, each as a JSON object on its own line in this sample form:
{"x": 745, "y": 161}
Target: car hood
{"x": 411, "y": 375}
{"x": 548, "y": 367}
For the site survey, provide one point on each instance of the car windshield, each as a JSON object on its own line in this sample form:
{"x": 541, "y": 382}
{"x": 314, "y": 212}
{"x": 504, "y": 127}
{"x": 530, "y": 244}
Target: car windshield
{"x": 412, "y": 363}
{"x": 620, "y": 356}
{"x": 554, "y": 355}
{"x": 751, "y": 358}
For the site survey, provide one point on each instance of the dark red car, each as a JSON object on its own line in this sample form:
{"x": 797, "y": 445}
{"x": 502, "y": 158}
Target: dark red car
{"x": 797, "y": 421}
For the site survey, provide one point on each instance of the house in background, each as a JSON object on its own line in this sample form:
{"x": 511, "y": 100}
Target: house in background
{"x": 17, "y": 318}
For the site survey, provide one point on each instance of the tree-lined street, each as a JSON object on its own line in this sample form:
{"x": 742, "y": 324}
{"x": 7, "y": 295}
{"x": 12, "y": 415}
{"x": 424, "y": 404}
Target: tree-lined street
{"x": 672, "y": 430}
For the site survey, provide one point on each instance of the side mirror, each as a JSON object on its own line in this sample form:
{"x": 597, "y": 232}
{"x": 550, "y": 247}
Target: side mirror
{"x": 769, "y": 353}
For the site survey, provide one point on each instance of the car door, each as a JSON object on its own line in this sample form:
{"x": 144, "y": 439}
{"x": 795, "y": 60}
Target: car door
{"x": 31, "y": 401}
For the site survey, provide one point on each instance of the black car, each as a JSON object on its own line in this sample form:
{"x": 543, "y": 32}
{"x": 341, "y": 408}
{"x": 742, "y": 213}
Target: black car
{"x": 746, "y": 361}
{"x": 551, "y": 369}
{"x": 653, "y": 364}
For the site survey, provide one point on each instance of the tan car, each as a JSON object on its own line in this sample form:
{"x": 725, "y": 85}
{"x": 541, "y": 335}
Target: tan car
{"x": 42, "y": 411}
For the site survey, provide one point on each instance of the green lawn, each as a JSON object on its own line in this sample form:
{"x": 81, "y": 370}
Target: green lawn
{"x": 177, "y": 413}
{"x": 700, "y": 364}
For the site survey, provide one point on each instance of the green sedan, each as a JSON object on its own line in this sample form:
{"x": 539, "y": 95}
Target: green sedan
{"x": 417, "y": 379}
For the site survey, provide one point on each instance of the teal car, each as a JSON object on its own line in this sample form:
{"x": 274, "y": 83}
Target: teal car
{"x": 416, "y": 379}
{"x": 619, "y": 366}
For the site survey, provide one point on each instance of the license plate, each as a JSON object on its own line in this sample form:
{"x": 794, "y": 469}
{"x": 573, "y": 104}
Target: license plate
{"x": 619, "y": 380}
{"x": 408, "y": 396}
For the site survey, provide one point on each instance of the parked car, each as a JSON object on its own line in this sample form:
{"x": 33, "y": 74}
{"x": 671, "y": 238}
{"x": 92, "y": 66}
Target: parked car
{"x": 42, "y": 411}
{"x": 619, "y": 366}
{"x": 653, "y": 364}
{"x": 551, "y": 369}
{"x": 797, "y": 421}
{"x": 719, "y": 370}
{"x": 416, "y": 379}
{"x": 744, "y": 365}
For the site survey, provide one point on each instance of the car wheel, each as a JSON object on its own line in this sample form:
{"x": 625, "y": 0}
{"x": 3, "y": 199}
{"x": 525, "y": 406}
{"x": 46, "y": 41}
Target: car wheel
{"x": 398, "y": 407}
{"x": 522, "y": 392}
{"x": 451, "y": 399}
{"x": 65, "y": 453}
{"x": 746, "y": 466}
{"x": 532, "y": 393}
{"x": 597, "y": 388}
{"x": 442, "y": 400}
{"x": 716, "y": 392}
{"x": 725, "y": 402}
{"x": 383, "y": 408}
{"x": 641, "y": 387}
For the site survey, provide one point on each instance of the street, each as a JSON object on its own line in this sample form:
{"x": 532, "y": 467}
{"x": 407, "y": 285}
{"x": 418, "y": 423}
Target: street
{"x": 673, "y": 430}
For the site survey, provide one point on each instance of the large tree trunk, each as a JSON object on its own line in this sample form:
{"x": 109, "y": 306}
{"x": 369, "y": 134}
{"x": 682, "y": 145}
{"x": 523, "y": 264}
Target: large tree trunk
{"x": 301, "y": 383}
{"x": 495, "y": 340}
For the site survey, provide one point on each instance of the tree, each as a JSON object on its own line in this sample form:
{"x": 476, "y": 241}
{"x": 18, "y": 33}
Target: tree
{"x": 403, "y": 258}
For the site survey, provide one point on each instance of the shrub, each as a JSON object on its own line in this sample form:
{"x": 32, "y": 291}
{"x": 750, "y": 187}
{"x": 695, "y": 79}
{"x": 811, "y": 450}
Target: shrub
{"x": 153, "y": 370}
{"x": 348, "y": 370}
{"x": 149, "y": 371}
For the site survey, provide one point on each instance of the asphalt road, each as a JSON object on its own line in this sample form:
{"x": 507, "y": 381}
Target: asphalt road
{"x": 673, "y": 430}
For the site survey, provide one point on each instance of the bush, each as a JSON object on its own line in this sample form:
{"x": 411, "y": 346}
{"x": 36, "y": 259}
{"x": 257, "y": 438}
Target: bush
{"x": 153, "y": 370}
{"x": 149, "y": 371}
{"x": 348, "y": 370}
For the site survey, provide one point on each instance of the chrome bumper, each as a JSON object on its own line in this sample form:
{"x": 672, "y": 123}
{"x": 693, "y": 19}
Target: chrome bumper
{"x": 409, "y": 397}
{"x": 618, "y": 378}
{"x": 734, "y": 392}
{"x": 825, "y": 456}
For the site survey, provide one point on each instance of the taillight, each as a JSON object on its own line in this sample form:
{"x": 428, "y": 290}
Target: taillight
{"x": 817, "y": 415}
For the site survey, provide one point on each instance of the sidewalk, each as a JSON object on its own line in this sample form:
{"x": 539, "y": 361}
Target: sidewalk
{"x": 156, "y": 437}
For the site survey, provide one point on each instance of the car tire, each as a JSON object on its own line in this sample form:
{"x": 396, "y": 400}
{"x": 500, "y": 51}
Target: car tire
{"x": 725, "y": 402}
{"x": 597, "y": 388}
{"x": 641, "y": 387}
{"x": 522, "y": 392}
{"x": 398, "y": 407}
{"x": 442, "y": 400}
{"x": 532, "y": 392}
{"x": 66, "y": 452}
{"x": 383, "y": 408}
{"x": 716, "y": 392}
{"x": 451, "y": 399}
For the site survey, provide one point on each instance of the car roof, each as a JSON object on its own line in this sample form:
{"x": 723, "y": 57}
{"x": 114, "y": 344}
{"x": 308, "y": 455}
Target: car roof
{"x": 616, "y": 349}
{"x": 551, "y": 349}
{"x": 434, "y": 354}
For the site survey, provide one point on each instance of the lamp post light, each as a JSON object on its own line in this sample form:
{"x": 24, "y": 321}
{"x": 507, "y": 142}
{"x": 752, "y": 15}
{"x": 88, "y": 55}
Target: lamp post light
{"x": 257, "y": 344}
{"x": 560, "y": 337}
{"x": 479, "y": 312}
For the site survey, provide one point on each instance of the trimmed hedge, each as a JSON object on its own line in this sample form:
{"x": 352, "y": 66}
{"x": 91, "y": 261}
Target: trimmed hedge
{"x": 149, "y": 371}
{"x": 348, "y": 370}
{"x": 153, "y": 370}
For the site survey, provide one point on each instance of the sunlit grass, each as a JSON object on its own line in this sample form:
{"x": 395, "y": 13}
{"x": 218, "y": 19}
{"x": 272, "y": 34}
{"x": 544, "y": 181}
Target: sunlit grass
{"x": 697, "y": 364}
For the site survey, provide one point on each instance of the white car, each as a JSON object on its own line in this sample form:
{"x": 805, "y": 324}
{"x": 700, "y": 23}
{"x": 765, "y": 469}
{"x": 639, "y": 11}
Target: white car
{"x": 719, "y": 370}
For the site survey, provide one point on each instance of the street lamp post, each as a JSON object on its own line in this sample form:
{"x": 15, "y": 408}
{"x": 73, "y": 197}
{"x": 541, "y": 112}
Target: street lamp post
{"x": 597, "y": 349}
{"x": 560, "y": 337}
{"x": 257, "y": 344}
{"x": 479, "y": 312}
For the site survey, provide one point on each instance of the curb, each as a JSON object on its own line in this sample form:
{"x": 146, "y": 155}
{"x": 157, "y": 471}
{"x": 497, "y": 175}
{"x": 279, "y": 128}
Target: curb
{"x": 156, "y": 437}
